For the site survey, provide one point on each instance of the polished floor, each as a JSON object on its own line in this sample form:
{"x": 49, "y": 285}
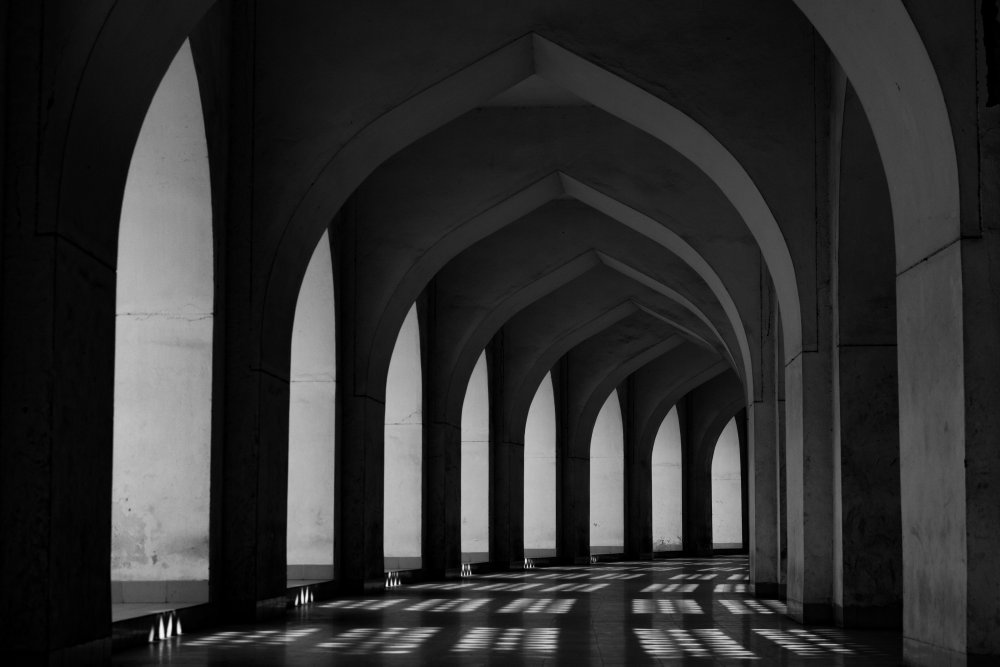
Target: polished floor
{"x": 668, "y": 612}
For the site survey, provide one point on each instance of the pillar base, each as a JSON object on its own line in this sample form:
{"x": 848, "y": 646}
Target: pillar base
{"x": 810, "y": 614}
{"x": 916, "y": 652}
{"x": 765, "y": 589}
{"x": 886, "y": 617}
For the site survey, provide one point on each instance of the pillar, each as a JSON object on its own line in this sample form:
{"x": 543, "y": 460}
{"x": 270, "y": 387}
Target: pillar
{"x": 763, "y": 539}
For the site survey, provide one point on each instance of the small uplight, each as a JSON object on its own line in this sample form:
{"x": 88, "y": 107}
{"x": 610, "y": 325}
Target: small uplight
{"x": 166, "y": 625}
{"x": 303, "y": 597}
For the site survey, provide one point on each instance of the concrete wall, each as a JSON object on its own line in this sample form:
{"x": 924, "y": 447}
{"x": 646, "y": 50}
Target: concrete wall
{"x": 668, "y": 523}
{"x": 727, "y": 500}
{"x": 607, "y": 480}
{"x": 312, "y": 422}
{"x": 540, "y": 473}
{"x": 476, "y": 466}
{"x": 163, "y": 353}
{"x": 403, "y": 449}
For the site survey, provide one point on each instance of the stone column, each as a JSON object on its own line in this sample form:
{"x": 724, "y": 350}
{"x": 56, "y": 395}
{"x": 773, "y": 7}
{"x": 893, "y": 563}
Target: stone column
{"x": 573, "y": 484}
{"x": 764, "y": 541}
{"x": 867, "y": 539}
{"x": 638, "y": 480}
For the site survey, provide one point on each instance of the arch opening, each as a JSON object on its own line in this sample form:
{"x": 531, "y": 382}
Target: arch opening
{"x": 540, "y": 473}
{"x": 403, "y": 490}
{"x": 668, "y": 520}
{"x": 607, "y": 480}
{"x": 475, "y": 482}
{"x": 164, "y": 312}
{"x": 727, "y": 490}
{"x": 312, "y": 423}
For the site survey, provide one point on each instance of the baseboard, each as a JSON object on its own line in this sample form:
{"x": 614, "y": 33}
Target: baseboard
{"x": 167, "y": 591}
{"x": 810, "y": 614}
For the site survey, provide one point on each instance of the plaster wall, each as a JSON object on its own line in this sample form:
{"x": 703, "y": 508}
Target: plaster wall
{"x": 403, "y": 448}
{"x": 607, "y": 479}
{"x": 540, "y": 472}
{"x": 163, "y": 354}
{"x": 668, "y": 522}
{"x": 476, "y": 466}
{"x": 727, "y": 501}
{"x": 312, "y": 422}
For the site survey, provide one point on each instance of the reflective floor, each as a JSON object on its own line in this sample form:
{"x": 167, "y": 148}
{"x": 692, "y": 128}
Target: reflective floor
{"x": 692, "y": 611}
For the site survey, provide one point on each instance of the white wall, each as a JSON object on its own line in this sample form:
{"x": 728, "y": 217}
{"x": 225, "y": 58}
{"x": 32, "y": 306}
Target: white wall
{"x": 668, "y": 521}
{"x": 404, "y": 448}
{"x": 540, "y": 473}
{"x": 727, "y": 497}
{"x": 312, "y": 422}
{"x": 607, "y": 480}
{"x": 163, "y": 351}
{"x": 476, "y": 466}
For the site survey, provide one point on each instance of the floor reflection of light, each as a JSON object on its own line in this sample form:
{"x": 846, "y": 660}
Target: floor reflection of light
{"x": 505, "y": 640}
{"x": 745, "y": 607}
{"x": 730, "y": 588}
{"x": 442, "y": 587}
{"x": 574, "y": 588}
{"x": 562, "y": 575}
{"x": 371, "y": 604}
{"x": 693, "y": 577}
{"x": 816, "y": 642}
{"x": 616, "y": 577}
{"x": 262, "y": 637}
{"x": 776, "y": 605}
{"x": 459, "y": 605}
{"x": 506, "y": 587}
{"x": 538, "y": 606}
{"x": 365, "y": 641}
{"x": 670, "y": 588}
{"x": 697, "y": 643}
{"x": 665, "y": 606}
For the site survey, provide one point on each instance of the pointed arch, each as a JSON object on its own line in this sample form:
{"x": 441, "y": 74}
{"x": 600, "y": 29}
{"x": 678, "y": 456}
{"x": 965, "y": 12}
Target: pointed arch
{"x": 483, "y": 80}
{"x": 607, "y": 479}
{"x": 163, "y": 353}
{"x": 403, "y": 490}
{"x": 727, "y": 494}
{"x": 312, "y": 392}
{"x": 476, "y": 466}
{"x": 540, "y": 473}
{"x": 668, "y": 520}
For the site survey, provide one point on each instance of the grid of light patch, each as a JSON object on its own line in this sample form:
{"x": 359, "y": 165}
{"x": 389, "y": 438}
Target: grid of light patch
{"x": 574, "y": 588}
{"x": 814, "y": 643}
{"x": 459, "y": 605}
{"x": 670, "y": 588}
{"x": 261, "y": 638}
{"x": 442, "y": 586}
{"x": 506, "y": 587}
{"x": 696, "y": 643}
{"x": 538, "y": 606}
{"x": 387, "y": 641}
{"x": 745, "y": 607}
{"x": 730, "y": 588}
{"x": 665, "y": 606}
{"x": 508, "y": 640}
{"x": 370, "y": 604}
{"x": 615, "y": 577}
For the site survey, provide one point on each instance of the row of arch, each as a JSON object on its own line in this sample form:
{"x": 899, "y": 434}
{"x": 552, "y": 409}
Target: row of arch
{"x": 889, "y": 67}
{"x": 163, "y": 391}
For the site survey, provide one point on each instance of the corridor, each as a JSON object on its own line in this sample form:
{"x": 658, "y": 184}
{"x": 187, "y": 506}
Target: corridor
{"x": 683, "y": 611}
